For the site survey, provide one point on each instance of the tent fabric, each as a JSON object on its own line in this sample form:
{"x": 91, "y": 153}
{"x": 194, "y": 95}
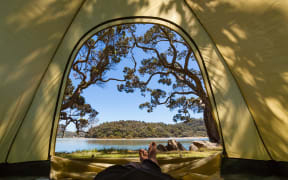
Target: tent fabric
{"x": 181, "y": 168}
{"x": 240, "y": 48}
{"x": 251, "y": 37}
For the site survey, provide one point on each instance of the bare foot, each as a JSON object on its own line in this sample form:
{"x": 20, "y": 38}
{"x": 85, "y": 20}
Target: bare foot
{"x": 143, "y": 154}
{"x": 152, "y": 152}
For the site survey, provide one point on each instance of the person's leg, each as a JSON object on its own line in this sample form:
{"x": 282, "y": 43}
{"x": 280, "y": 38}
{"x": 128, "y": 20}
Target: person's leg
{"x": 148, "y": 160}
{"x": 149, "y": 165}
{"x": 153, "y": 164}
{"x": 152, "y": 153}
{"x": 143, "y": 155}
{"x": 147, "y": 169}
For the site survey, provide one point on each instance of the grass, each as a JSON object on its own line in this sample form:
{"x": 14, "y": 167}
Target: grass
{"x": 124, "y": 153}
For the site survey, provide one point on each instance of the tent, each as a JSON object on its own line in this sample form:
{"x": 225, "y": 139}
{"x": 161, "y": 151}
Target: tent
{"x": 240, "y": 47}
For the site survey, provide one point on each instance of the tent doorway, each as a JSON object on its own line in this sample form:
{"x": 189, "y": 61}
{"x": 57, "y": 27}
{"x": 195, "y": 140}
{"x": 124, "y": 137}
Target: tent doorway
{"x": 153, "y": 61}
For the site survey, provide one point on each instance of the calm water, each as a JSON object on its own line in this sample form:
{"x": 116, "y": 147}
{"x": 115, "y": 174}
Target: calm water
{"x": 73, "y": 144}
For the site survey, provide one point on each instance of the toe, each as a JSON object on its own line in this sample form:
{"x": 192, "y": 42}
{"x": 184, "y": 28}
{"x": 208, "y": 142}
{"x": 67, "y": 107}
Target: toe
{"x": 152, "y": 144}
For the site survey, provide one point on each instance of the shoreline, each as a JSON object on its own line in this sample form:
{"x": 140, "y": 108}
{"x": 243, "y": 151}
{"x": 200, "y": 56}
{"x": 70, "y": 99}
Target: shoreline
{"x": 164, "y": 138}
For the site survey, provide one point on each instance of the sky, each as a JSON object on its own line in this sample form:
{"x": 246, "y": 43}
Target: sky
{"x": 113, "y": 105}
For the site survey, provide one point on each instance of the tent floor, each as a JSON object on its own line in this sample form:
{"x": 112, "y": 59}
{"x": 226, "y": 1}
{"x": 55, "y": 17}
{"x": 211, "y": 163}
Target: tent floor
{"x": 212, "y": 167}
{"x": 179, "y": 168}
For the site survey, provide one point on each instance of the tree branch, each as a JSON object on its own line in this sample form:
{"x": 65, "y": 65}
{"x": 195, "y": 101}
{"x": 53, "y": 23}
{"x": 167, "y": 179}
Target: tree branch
{"x": 171, "y": 44}
{"x": 174, "y": 93}
{"x": 151, "y": 76}
{"x": 187, "y": 59}
{"x": 150, "y": 49}
{"x": 115, "y": 79}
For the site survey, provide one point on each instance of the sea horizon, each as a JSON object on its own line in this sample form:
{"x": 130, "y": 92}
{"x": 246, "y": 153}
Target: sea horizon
{"x": 74, "y": 144}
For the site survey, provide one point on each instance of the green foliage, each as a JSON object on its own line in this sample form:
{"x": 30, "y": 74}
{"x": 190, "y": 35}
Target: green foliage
{"x": 96, "y": 57}
{"x": 78, "y": 113}
{"x": 140, "y": 129}
{"x": 120, "y": 153}
{"x": 171, "y": 64}
{"x": 171, "y": 61}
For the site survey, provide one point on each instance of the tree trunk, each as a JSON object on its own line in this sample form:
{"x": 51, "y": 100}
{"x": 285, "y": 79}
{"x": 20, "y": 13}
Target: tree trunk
{"x": 210, "y": 124}
{"x": 63, "y": 133}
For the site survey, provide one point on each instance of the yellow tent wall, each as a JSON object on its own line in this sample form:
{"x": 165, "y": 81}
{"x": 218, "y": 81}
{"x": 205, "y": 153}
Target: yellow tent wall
{"x": 240, "y": 47}
{"x": 30, "y": 34}
{"x": 251, "y": 36}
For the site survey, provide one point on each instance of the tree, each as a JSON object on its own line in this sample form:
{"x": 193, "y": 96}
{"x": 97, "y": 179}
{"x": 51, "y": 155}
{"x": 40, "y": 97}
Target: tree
{"x": 80, "y": 113}
{"x": 61, "y": 130}
{"x": 132, "y": 128}
{"x": 173, "y": 67}
{"x": 96, "y": 57}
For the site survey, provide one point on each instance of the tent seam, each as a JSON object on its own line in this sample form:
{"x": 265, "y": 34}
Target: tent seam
{"x": 36, "y": 90}
{"x": 236, "y": 82}
{"x": 6, "y": 158}
{"x": 210, "y": 86}
{"x": 211, "y": 89}
{"x": 59, "y": 44}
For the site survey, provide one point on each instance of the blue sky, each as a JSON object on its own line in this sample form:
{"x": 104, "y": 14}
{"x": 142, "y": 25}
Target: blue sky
{"x": 113, "y": 105}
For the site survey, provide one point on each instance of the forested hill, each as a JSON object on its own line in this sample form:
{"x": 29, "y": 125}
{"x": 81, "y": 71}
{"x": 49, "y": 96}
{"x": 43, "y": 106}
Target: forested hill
{"x": 140, "y": 129}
